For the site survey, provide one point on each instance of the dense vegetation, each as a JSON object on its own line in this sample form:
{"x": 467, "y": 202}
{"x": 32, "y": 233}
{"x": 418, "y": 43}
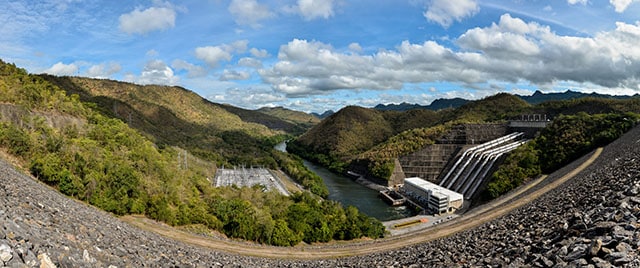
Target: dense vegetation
{"x": 78, "y": 149}
{"x": 370, "y": 140}
{"x": 568, "y": 137}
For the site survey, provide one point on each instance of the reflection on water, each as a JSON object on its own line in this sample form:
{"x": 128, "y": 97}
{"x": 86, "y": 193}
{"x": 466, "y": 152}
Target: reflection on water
{"x": 350, "y": 193}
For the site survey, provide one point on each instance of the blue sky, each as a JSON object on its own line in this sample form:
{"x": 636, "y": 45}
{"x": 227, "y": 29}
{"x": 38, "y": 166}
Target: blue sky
{"x": 316, "y": 55}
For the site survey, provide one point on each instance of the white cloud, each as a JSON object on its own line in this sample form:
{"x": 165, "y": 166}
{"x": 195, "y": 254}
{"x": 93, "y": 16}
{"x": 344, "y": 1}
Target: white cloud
{"x": 62, "y": 69}
{"x": 152, "y": 53}
{"x": 355, "y": 47}
{"x": 511, "y": 50}
{"x": 150, "y": 19}
{"x": 234, "y": 75}
{"x": 314, "y": 9}
{"x": 249, "y": 12}
{"x": 192, "y": 70}
{"x": 259, "y": 53}
{"x": 212, "y": 55}
{"x": 250, "y": 62}
{"x": 573, "y": 2}
{"x": 155, "y": 72}
{"x": 444, "y": 12}
{"x": 103, "y": 70}
{"x": 250, "y": 97}
{"x": 621, "y": 5}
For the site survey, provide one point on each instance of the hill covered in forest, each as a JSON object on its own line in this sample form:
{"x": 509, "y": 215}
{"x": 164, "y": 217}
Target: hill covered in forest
{"x": 152, "y": 150}
{"x": 536, "y": 98}
{"x": 370, "y": 139}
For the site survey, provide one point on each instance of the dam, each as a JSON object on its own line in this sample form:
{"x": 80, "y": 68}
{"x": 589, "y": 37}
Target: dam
{"x": 465, "y": 157}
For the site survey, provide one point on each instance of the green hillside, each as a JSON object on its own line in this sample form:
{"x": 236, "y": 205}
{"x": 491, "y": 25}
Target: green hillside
{"x": 299, "y": 118}
{"x": 73, "y": 141}
{"x": 178, "y": 117}
{"x": 358, "y": 138}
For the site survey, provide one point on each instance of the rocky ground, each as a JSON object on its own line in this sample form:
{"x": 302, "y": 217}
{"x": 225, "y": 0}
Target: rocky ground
{"x": 590, "y": 221}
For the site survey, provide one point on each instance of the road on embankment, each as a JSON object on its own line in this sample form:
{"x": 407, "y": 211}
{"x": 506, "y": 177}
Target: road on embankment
{"x": 471, "y": 219}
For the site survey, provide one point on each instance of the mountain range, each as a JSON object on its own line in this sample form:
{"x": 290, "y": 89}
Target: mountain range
{"x": 536, "y": 98}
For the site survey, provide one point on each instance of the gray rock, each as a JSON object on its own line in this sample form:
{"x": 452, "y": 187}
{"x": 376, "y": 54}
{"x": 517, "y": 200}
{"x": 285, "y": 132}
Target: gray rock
{"x": 6, "y": 253}
{"x": 87, "y": 258}
{"x": 623, "y": 247}
{"x": 45, "y": 261}
{"x": 600, "y": 263}
{"x": 621, "y": 261}
{"x": 595, "y": 247}
{"x": 576, "y": 253}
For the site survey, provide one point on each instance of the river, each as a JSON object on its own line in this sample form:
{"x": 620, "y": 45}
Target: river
{"x": 350, "y": 193}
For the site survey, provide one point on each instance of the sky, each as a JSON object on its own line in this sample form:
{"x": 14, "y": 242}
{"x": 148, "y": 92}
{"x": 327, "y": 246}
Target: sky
{"x": 318, "y": 55}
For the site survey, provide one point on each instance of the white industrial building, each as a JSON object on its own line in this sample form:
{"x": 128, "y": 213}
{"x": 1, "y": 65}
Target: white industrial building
{"x": 436, "y": 198}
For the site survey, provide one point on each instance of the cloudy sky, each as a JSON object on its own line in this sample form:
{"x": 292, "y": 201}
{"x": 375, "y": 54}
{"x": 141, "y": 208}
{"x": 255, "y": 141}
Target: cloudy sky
{"x": 315, "y": 55}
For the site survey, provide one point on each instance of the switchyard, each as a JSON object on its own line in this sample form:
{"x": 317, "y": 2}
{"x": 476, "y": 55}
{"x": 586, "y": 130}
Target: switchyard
{"x": 249, "y": 177}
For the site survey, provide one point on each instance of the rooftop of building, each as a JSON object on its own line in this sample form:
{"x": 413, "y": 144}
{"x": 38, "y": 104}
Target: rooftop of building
{"x": 434, "y": 188}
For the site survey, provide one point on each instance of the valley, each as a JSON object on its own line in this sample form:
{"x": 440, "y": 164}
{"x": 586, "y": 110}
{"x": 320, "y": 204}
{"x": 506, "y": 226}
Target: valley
{"x": 106, "y": 146}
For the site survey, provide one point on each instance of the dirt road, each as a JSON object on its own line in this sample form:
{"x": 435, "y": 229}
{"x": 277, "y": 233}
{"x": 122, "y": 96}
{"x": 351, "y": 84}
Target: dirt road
{"x": 469, "y": 220}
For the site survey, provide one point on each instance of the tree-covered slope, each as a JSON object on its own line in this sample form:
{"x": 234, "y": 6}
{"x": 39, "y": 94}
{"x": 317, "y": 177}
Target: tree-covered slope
{"x": 179, "y": 117}
{"x": 79, "y": 149}
{"x": 374, "y": 138}
{"x": 299, "y": 118}
{"x": 396, "y": 133}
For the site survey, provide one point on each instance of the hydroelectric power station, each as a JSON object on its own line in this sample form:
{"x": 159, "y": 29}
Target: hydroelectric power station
{"x": 439, "y": 177}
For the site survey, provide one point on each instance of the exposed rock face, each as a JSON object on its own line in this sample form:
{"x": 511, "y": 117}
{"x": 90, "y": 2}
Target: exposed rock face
{"x": 593, "y": 220}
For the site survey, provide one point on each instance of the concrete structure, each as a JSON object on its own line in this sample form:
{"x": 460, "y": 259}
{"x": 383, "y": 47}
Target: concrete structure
{"x": 435, "y": 198}
{"x": 249, "y": 177}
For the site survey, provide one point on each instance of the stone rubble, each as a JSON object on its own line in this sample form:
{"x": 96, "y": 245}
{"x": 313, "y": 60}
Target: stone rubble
{"x": 590, "y": 221}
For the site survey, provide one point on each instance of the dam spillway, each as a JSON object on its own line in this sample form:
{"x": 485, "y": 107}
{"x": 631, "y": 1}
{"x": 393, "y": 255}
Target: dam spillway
{"x": 472, "y": 167}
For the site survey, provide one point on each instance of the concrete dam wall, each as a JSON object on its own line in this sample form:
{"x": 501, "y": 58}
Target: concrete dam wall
{"x": 432, "y": 160}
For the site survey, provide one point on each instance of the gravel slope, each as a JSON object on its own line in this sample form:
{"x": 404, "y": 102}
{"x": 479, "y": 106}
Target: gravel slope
{"x": 590, "y": 221}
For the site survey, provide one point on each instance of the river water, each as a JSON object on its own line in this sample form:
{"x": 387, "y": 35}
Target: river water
{"x": 350, "y": 193}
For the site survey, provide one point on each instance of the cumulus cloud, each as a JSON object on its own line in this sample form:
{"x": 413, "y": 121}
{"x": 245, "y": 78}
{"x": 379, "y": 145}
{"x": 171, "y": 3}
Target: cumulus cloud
{"x": 62, "y": 69}
{"x": 444, "y": 12}
{"x": 250, "y": 97}
{"x": 355, "y": 47}
{"x": 259, "y": 53}
{"x": 192, "y": 70}
{"x": 103, "y": 70}
{"x": 621, "y": 5}
{"x": 150, "y": 19}
{"x": 573, "y": 2}
{"x": 234, "y": 75}
{"x": 250, "y": 62}
{"x": 213, "y": 55}
{"x": 249, "y": 12}
{"x": 312, "y": 9}
{"x": 155, "y": 72}
{"x": 510, "y": 50}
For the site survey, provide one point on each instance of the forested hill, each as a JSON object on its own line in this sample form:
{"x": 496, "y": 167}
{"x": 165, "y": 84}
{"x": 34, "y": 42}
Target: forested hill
{"x": 76, "y": 135}
{"x": 536, "y": 98}
{"x": 179, "y": 117}
{"x": 371, "y": 139}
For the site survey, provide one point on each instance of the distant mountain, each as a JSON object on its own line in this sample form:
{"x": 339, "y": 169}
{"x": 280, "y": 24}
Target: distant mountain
{"x": 537, "y": 98}
{"x": 437, "y": 104}
{"x": 323, "y": 115}
{"x": 301, "y": 119}
{"x": 540, "y": 97}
